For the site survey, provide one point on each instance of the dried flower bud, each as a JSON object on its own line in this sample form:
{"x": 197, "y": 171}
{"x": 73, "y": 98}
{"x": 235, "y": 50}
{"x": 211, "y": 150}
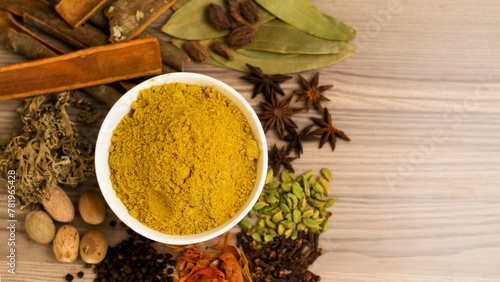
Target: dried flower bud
{"x": 241, "y": 36}
{"x": 220, "y": 48}
{"x": 218, "y": 18}
{"x": 196, "y": 51}
{"x": 234, "y": 11}
{"x": 250, "y": 11}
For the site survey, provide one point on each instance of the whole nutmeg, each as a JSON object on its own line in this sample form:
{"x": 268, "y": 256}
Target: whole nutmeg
{"x": 92, "y": 207}
{"x": 58, "y": 205}
{"x": 65, "y": 244}
{"x": 93, "y": 247}
{"x": 40, "y": 227}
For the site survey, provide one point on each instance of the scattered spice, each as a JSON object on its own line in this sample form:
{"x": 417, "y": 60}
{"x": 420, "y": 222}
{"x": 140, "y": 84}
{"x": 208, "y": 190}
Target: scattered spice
{"x": 263, "y": 83}
{"x": 221, "y": 49}
{"x": 278, "y": 158}
{"x": 241, "y": 36}
{"x": 134, "y": 259}
{"x": 80, "y": 274}
{"x": 69, "y": 277}
{"x": 282, "y": 259}
{"x": 234, "y": 11}
{"x": 295, "y": 139}
{"x": 277, "y": 114}
{"x": 327, "y": 131}
{"x": 196, "y": 51}
{"x": 112, "y": 223}
{"x": 218, "y": 18}
{"x": 311, "y": 92}
{"x": 204, "y": 166}
{"x": 250, "y": 11}
{"x": 48, "y": 151}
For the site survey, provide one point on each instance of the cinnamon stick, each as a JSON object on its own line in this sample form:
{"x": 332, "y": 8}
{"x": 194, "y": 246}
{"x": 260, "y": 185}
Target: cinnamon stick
{"x": 35, "y": 33}
{"x": 128, "y": 18}
{"x": 33, "y": 12}
{"x": 88, "y": 67}
{"x": 31, "y": 48}
{"x": 172, "y": 56}
{"x": 24, "y": 44}
{"x": 76, "y": 12}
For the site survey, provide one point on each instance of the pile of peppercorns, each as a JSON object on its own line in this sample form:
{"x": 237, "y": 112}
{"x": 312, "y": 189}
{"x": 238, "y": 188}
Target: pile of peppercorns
{"x": 135, "y": 259}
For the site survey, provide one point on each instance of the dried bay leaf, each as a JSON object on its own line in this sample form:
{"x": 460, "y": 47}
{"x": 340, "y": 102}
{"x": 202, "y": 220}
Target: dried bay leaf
{"x": 189, "y": 21}
{"x": 303, "y": 15}
{"x": 274, "y": 63}
{"x": 278, "y": 36}
{"x": 345, "y": 28}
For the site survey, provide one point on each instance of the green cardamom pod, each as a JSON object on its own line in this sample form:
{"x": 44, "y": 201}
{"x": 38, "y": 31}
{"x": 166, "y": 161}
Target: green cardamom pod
{"x": 261, "y": 223}
{"x": 318, "y": 188}
{"x": 330, "y": 202}
{"x": 310, "y": 222}
{"x": 269, "y": 223}
{"x": 297, "y": 216}
{"x": 269, "y": 176}
{"x": 287, "y": 233}
{"x": 245, "y": 224}
{"x": 284, "y": 208}
{"x": 301, "y": 226}
{"x": 277, "y": 217}
{"x": 326, "y": 173}
{"x": 260, "y": 205}
{"x": 271, "y": 199}
{"x": 286, "y": 186}
{"x": 315, "y": 203}
{"x": 281, "y": 229}
{"x": 297, "y": 190}
{"x": 257, "y": 237}
{"x": 307, "y": 214}
{"x": 288, "y": 224}
{"x": 324, "y": 183}
{"x": 268, "y": 238}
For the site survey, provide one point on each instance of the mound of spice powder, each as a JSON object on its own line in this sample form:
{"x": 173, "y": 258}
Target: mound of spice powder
{"x": 184, "y": 160}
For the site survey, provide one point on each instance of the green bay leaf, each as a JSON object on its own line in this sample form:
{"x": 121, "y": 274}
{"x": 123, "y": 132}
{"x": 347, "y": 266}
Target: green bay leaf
{"x": 274, "y": 63}
{"x": 190, "y": 21}
{"x": 303, "y": 15}
{"x": 278, "y": 36}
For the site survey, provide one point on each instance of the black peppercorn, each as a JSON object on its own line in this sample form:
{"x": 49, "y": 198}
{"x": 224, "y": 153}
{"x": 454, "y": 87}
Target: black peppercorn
{"x": 69, "y": 277}
{"x": 80, "y": 274}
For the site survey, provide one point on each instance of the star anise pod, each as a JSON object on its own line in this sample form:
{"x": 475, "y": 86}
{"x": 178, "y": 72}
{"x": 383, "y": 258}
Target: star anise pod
{"x": 311, "y": 92}
{"x": 278, "y": 158}
{"x": 327, "y": 131}
{"x": 264, "y": 83}
{"x": 295, "y": 139}
{"x": 278, "y": 114}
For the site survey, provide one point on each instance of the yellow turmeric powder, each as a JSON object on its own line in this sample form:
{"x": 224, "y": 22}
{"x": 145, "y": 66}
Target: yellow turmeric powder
{"x": 184, "y": 160}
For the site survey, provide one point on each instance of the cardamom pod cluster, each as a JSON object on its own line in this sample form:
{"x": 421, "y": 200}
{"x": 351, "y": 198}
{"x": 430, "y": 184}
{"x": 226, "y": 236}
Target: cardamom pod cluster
{"x": 292, "y": 205}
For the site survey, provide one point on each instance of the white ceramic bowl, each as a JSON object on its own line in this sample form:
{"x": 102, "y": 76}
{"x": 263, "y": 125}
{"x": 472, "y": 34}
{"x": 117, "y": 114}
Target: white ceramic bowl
{"x": 123, "y": 106}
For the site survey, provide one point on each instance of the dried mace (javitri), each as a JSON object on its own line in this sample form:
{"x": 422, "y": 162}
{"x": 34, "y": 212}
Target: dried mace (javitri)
{"x": 241, "y": 36}
{"x": 218, "y": 18}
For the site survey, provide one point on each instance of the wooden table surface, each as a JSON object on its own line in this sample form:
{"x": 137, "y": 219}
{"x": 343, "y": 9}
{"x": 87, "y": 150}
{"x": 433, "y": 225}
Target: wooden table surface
{"x": 418, "y": 185}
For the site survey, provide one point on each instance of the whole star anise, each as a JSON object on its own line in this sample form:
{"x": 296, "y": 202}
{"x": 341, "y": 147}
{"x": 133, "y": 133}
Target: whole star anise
{"x": 295, "y": 139}
{"x": 278, "y": 114}
{"x": 327, "y": 131}
{"x": 278, "y": 158}
{"x": 311, "y": 92}
{"x": 263, "y": 83}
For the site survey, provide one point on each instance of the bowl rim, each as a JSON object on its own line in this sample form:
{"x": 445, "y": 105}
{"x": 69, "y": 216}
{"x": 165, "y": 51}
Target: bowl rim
{"x": 123, "y": 106}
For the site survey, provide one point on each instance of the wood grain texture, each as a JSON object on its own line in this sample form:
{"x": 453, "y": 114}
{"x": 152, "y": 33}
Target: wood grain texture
{"x": 418, "y": 185}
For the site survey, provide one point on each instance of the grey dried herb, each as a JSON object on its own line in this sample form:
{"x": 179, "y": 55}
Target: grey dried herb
{"x": 218, "y": 17}
{"x": 48, "y": 151}
{"x": 222, "y": 49}
{"x": 196, "y": 51}
{"x": 250, "y": 11}
{"x": 241, "y": 36}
